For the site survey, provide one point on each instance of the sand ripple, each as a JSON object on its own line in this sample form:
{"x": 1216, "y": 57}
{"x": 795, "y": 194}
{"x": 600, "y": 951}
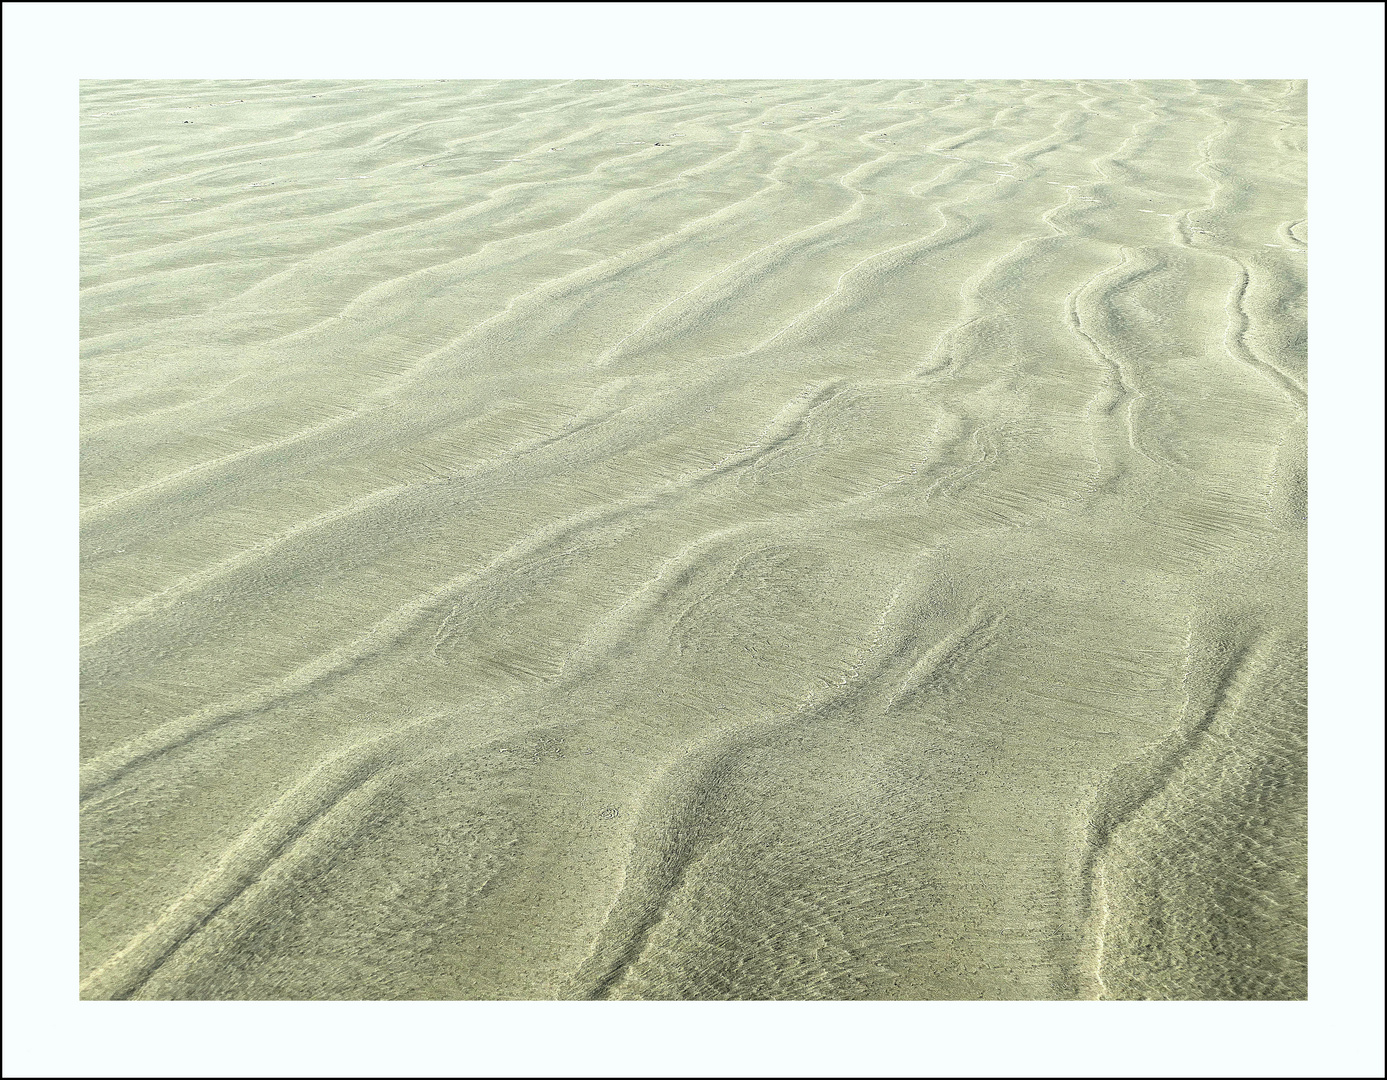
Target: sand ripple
{"x": 706, "y": 540}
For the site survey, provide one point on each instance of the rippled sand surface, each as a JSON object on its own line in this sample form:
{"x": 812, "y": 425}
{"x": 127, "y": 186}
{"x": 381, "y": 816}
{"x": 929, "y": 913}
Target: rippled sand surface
{"x": 693, "y": 540}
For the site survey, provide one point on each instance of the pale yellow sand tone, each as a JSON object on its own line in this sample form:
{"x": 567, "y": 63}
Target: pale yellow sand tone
{"x": 693, "y": 540}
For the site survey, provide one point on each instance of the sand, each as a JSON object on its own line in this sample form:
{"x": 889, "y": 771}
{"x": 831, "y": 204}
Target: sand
{"x": 693, "y": 540}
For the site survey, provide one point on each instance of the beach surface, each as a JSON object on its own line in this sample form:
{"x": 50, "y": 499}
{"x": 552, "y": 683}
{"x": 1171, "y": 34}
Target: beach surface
{"x": 693, "y": 540}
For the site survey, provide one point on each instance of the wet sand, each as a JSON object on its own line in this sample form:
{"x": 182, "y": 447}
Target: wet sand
{"x": 693, "y": 540}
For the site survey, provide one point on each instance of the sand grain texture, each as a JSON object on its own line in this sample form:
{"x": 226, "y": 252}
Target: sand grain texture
{"x": 693, "y": 540}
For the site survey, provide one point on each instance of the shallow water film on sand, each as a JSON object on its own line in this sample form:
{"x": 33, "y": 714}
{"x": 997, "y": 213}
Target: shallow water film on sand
{"x": 693, "y": 540}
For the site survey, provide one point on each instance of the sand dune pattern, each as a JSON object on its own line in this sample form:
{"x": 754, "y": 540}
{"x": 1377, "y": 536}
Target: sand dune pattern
{"x": 706, "y": 540}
